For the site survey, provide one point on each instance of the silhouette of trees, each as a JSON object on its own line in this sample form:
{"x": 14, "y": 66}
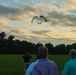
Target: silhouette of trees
{"x": 50, "y": 48}
{"x": 10, "y": 46}
{"x": 11, "y": 37}
{"x": 60, "y": 49}
{"x": 35, "y": 47}
{"x": 2, "y": 35}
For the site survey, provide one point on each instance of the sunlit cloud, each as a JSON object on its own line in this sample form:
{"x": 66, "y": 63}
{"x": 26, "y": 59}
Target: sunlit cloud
{"x": 3, "y": 25}
{"x": 73, "y": 31}
{"x": 60, "y": 25}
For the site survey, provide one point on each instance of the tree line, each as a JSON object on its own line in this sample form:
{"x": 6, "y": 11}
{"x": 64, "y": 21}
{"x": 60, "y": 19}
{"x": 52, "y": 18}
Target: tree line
{"x": 10, "y": 46}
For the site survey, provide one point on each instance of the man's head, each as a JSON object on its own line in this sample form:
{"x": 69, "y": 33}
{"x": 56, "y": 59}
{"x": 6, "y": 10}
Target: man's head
{"x": 72, "y": 53}
{"x": 43, "y": 52}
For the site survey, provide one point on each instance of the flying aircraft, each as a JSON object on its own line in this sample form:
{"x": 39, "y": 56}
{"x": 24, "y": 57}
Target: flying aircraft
{"x": 43, "y": 18}
{"x": 40, "y": 21}
{"x": 33, "y": 19}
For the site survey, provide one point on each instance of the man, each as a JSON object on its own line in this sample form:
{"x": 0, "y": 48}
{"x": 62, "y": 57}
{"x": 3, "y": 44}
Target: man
{"x": 30, "y": 68}
{"x": 44, "y": 66}
{"x": 70, "y": 66}
{"x": 27, "y": 58}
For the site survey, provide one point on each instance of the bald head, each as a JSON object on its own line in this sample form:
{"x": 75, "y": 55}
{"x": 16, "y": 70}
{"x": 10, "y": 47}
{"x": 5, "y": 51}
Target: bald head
{"x": 72, "y": 53}
{"x": 43, "y": 52}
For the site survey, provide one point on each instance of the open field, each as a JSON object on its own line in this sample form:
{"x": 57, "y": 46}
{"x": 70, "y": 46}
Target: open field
{"x": 14, "y": 65}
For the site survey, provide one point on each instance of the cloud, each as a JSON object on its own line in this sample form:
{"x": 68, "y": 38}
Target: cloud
{"x": 73, "y": 31}
{"x": 19, "y": 33}
{"x": 17, "y": 13}
{"x": 53, "y": 35}
{"x": 34, "y": 0}
{"x": 16, "y": 0}
{"x": 3, "y": 25}
{"x": 55, "y": 15}
{"x": 42, "y": 32}
{"x": 7, "y": 12}
{"x": 61, "y": 20}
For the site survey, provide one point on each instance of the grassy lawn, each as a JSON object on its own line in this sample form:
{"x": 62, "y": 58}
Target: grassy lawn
{"x": 14, "y": 65}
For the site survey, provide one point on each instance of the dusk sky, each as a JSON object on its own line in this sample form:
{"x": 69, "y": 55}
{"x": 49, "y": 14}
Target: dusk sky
{"x": 60, "y": 28}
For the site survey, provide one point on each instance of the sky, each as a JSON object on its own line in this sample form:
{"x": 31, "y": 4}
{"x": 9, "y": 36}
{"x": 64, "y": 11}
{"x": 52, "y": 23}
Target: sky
{"x": 60, "y": 28}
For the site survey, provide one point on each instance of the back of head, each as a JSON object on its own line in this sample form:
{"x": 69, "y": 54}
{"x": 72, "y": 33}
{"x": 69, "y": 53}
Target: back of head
{"x": 43, "y": 52}
{"x": 72, "y": 53}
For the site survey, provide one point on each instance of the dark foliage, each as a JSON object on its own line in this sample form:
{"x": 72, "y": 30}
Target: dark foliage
{"x": 11, "y": 46}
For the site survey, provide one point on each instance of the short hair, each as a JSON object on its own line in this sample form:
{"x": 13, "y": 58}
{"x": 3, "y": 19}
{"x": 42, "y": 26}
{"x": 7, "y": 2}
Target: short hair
{"x": 72, "y": 53}
{"x": 43, "y": 52}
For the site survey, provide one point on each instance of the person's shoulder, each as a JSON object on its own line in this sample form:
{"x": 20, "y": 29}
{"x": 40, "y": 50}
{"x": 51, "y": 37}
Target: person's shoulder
{"x": 68, "y": 63}
{"x": 35, "y": 62}
{"x": 32, "y": 64}
{"x": 51, "y": 61}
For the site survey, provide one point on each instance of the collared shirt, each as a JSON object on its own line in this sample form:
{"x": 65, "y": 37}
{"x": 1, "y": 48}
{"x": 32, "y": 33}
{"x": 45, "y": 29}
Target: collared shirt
{"x": 45, "y": 67}
{"x": 70, "y": 67}
{"x": 30, "y": 68}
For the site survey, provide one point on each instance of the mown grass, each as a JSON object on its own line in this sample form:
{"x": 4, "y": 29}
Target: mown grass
{"x": 14, "y": 65}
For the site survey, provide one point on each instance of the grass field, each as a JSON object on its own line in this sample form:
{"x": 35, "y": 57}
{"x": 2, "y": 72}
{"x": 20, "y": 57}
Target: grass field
{"x": 14, "y": 65}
